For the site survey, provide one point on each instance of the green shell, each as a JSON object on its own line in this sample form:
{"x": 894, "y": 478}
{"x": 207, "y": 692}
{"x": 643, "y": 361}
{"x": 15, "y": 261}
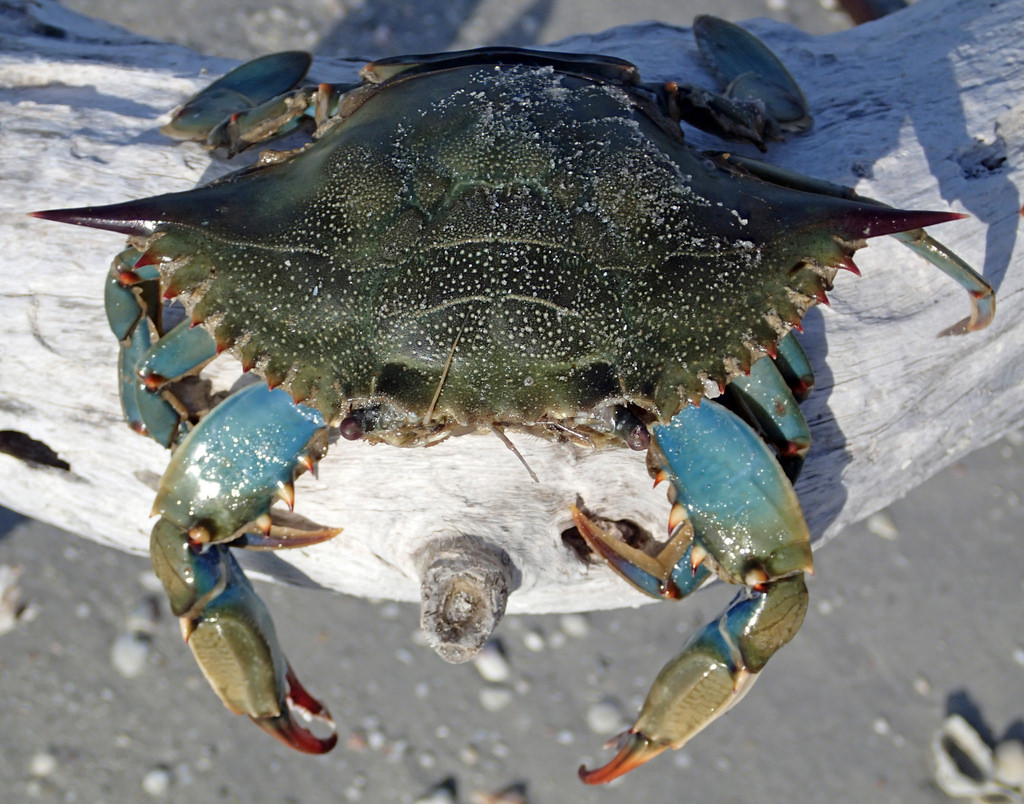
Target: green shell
{"x": 491, "y": 244}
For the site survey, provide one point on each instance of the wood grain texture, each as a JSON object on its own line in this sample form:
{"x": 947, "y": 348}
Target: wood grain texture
{"x": 923, "y": 109}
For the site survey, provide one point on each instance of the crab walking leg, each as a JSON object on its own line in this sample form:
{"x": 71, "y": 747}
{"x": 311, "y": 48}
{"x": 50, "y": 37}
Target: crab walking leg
{"x": 751, "y": 72}
{"x": 764, "y": 400}
{"x": 761, "y": 99}
{"x": 791, "y": 361}
{"x": 220, "y": 485}
{"x": 983, "y": 298}
{"x": 275, "y": 118}
{"x": 132, "y": 301}
{"x": 252, "y": 104}
{"x": 744, "y": 523}
{"x": 150, "y": 358}
{"x": 249, "y": 85}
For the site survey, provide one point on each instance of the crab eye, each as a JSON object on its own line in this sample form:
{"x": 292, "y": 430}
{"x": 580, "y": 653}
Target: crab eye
{"x": 358, "y": 423}
{"x": 351, "y": 428}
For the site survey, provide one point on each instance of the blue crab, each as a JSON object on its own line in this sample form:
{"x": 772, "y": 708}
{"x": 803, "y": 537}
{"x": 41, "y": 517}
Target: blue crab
{"x": 489, "y": 239}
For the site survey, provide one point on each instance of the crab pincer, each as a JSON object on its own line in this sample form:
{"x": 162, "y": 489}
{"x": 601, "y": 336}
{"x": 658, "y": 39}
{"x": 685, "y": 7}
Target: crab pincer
{"x": 734, "y": 514}
{"x": 217, "y": 492}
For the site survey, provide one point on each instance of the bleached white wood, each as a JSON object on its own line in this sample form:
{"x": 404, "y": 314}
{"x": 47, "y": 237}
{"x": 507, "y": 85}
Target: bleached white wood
{"x": 924, "y": 109}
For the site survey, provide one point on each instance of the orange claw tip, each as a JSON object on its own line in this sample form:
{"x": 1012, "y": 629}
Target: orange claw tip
{"x": 697, "y": 556}
{"x": 306, "y": 462}
{"x": 286, "y": 491}
{"x": 637, "y": 748}
{"x": 582, "y": 521}
{"x": 296, "y": 736}
{"x": 284, "y": 727}
{"x": 288, "y": 731}
{"x": 153, "y": 382}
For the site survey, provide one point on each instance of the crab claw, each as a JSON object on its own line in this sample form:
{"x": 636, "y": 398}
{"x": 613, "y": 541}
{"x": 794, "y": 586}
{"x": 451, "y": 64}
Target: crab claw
{"x": 717, "y": 466}
{"x": 217, "y": 491}
{"x": 712, "y": 673}
{"x": 232, "y": 467}
{"x": 285, "y": 728}
{"x": 635, "y": 749}
{"x": 232, "y": 638}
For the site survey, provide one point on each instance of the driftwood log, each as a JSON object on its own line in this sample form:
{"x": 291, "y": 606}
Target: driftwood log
{"x": 923, "y": 109}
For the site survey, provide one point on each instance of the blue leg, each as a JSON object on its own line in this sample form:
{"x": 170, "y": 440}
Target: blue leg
{"x": 150, "y": 358}
{"x": 734, "y": 514}
{"x": 792, "y": 363}
{"x": 254, "y": 103}
{"x": 764, "y": 400}
{"x": 218, "y": 491}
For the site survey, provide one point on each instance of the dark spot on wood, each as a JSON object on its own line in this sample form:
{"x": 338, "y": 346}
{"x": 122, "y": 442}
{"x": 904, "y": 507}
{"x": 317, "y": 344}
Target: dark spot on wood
{"x": 23, "y": 446}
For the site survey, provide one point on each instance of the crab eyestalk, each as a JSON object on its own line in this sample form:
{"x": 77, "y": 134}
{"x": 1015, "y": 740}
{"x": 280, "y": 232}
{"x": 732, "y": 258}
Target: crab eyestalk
{"x": 216, "y": 492}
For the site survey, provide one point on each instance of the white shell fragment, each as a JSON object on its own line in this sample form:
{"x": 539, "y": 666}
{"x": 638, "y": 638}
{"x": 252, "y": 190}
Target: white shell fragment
{"x": 494, "y": 699}
{"x": 12, "y": 606}
{"x": 1009, "y": 762}
{"x": 129, "y": 653}
{"x": 491, "y": 663}
{"x": 130, "y": 650}
{"x": 440, "y": 794}
{"x": 42, "y": 764}
{"x": 157, "y": 782}
{"x": 882, "y": 525}
{"x": 606, "y": 717}
{"x": 966, "y": 767}
{"x": 575, "y": 625}
{"x": 533, "y": 640}
{"x": 516, "y": 794}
